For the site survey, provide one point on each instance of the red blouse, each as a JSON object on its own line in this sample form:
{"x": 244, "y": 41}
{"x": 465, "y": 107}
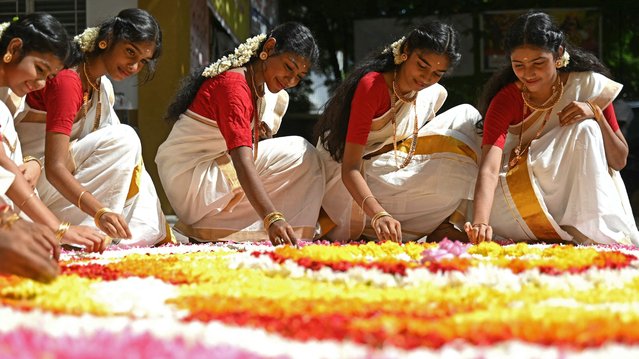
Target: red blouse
{"x": 371, "y": 100}
{"x": 226, "y": 99}
{"x": 61, "y": 99}
{"x": 507, "y": 108}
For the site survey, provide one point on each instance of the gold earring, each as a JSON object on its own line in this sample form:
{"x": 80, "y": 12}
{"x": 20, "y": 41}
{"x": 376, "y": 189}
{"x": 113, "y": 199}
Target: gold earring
{"x": 558, "y": 64}
{"x": 7, "y": 58}
{"x": 263, "y": 55}
{"x": 102, "y": 44}
{"x": 404, "y": 57}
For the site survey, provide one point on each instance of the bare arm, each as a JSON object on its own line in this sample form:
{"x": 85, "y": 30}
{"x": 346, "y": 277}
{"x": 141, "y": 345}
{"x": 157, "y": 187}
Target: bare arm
{"x": 614, "y": 142}
{"x": 258, "y": 197}
{"x": 23, "y": 196}
{"x": 59, "y": 167}
{"x": 386, "y": 228}
{"x": 479, "y": 230}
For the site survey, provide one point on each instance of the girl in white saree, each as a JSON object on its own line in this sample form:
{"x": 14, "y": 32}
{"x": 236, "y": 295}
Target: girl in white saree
{"x": 223, "y": 183}
{"x": 550, "y": 114}
{"x": 94, "y": 174}
{"x": 33, "y": 49}
{"x": 395, "y": 170}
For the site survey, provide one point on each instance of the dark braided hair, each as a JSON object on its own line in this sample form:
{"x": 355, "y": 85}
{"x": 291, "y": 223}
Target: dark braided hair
{"x": 290, "y": 37}
{"x": 536, "y": 28}
{"x": 133, "y": 25}
{"x": 39, "y": 32}
{"x": 332, "y": 126}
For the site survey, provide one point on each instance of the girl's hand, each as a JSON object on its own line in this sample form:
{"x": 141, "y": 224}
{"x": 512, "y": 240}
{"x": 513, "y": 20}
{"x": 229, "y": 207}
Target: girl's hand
{"x": 478, "y": 232}
{"x": 114, "y": 225}
{"x": 388, "y": 228}
{"x": 89, "y": 238}
{"x": 31, "y": 171}
{"x": 280, "y": 232}
{"x": 265, "y": 131}
{"x": 574, "y": 112}
{"x": 29, "y": 250}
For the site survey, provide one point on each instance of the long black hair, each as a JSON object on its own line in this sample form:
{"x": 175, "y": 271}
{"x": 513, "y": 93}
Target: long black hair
{"x": 39, "y": 32}
{"x": 133, "y": 25}
{"x": 289, "y": 37}
{"x": 536, "y": 28}
{"x": 331, "y": 128}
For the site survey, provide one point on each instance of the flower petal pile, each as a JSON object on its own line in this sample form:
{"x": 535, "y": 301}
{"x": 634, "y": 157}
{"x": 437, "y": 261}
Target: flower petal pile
{"x": 326, "y": 300}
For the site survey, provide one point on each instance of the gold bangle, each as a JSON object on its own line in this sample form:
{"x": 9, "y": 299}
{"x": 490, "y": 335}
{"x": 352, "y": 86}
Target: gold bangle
{"x": 100, "y": 213}
{"x": 364, "y": 200}
{"x": 61, "y": 231}
{"x": 9, "y": 221}
{"x": 594, "y": 108}
{"x": 80, "y": 199}
{"x": 379, "y": 215}
{"x": 27, "y": 199}
{"x": 271, "y": 218}
{"x": 26, "y": 159}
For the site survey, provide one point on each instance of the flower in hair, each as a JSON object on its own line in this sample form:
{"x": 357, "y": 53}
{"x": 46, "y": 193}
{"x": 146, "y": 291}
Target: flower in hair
{"x": 396, "y": 48}
{"x": 3, "y": 26}
{"x": 241, "y": 55}
{"x": 565, "y": 59}
{"x": 86, "y": 40}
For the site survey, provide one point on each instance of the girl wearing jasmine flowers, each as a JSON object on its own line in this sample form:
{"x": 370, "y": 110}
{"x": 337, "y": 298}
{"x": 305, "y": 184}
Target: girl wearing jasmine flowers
{"x": 395, "y": 170}
{"x": 222, "y": 181}
{"x": 552, "y": 146}
{"x": 33, "y": 48}
{"x": 94, "y": 173}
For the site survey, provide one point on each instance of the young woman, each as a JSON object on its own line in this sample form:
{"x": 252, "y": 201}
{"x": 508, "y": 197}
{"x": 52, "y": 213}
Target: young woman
{"x": 225, "y": 184}
{"x": 387, "y": 157}
{"x": 551, "y": 145}
{"x": 33, "y": 49}
{"x": 93, "y": 164}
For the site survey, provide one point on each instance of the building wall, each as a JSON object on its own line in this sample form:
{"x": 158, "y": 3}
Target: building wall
{"x": 154, "y": 97}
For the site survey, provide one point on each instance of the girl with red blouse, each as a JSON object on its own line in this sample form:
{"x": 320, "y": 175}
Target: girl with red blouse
{"x": 223, "y": 182}
{"x": 550, "y": 154}
{"x": 94, "y": 173}
{"x": 34, "y": 48}
{"x": 394, "y": 170}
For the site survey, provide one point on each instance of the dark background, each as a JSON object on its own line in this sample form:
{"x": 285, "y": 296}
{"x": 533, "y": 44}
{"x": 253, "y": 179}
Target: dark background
{"x": 333, "y": 23}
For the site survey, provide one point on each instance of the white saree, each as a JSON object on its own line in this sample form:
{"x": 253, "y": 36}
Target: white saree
{"x": 10, "y": 144}
{"x": 200, "y": 181}
{"x": 562, "y": 188}
{"x": 108, "y": 163}
{"x": 434, "y": 186}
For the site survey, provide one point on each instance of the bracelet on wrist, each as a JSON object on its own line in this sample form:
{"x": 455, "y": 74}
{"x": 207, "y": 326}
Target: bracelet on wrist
{"x": 271, "y": 218}
{"x": 80, "y": 199}
{"x": 7, "y": 220}
{"x": 29, "y": 197}
{"x": 377, "y": 216}
{"x": 26, "y": 159}
{"x": 61, "y": 231}
{"x": 99, "y": 214}
{"x": 364, "y": 200}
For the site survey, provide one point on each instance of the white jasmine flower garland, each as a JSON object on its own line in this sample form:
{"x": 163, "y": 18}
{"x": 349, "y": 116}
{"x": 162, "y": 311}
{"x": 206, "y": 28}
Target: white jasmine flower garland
{"x": 3, "y": 26}
{"x": 239, "y": 57}
{"x": 86, "y": 40}
{"x": 396, "y": 48}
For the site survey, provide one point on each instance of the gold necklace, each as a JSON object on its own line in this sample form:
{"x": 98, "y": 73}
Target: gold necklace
{"x": 257, "y": 115}
{"x": 413, "y": 146}
{"x": 85, "y": 99}
{"x": 545, "y": 107}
